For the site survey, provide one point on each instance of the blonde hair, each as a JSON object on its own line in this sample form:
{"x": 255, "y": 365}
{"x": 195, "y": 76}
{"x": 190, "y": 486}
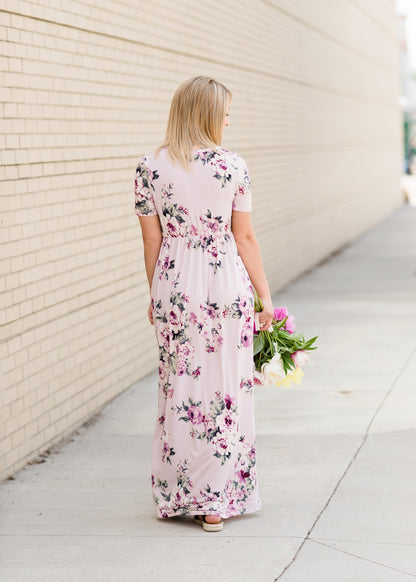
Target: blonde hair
{"x": 196, "y": 117}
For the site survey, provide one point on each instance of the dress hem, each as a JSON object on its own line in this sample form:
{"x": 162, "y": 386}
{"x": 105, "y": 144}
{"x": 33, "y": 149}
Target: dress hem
{"x": 184, "y": 511}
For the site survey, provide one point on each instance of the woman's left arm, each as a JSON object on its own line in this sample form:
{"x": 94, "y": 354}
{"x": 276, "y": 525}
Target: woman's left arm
{"x": 152, "y": 240}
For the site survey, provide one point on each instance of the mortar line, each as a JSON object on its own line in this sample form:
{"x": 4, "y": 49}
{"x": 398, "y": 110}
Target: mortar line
{"x": 331, "y": 37}
{"x": 260, "y": 72}
{"x": 409, "y": 358}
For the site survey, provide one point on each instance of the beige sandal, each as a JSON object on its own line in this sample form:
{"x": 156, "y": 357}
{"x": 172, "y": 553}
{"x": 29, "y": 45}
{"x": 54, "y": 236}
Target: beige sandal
{"x": 208, "y": 526}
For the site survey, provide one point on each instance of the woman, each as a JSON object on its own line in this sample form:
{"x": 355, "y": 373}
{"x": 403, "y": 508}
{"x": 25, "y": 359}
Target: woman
{"x": 193, "y": 199}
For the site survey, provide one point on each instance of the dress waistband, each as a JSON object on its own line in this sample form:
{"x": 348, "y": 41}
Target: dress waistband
{"x": 218, "y": 232}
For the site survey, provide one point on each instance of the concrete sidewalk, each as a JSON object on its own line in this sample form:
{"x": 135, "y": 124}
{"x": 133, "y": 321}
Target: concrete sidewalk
{"x": 336, "y": 456}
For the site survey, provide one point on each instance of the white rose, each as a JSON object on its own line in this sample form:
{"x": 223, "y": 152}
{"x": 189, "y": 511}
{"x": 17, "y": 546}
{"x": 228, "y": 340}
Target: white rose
{"x": 273, "y": 371}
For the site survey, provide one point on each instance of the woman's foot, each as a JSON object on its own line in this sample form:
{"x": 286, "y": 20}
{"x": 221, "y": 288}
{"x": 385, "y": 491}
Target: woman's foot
{"x": 212, "y": 518}
{"x": 210, "y": 522}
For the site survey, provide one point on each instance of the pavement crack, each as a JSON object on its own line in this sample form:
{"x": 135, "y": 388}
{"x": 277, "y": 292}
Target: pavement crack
{"x": 362, "y": 558}
{"x": 365, "y": 436}
{"x": 364, "y": 542}
{"x": 389, "y": 391}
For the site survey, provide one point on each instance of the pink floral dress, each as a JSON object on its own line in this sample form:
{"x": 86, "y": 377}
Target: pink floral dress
{"x": 204, "y": 444}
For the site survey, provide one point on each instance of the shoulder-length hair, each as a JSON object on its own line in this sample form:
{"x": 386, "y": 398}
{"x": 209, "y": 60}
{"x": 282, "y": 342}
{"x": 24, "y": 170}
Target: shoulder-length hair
{"x": 196, "y": 117}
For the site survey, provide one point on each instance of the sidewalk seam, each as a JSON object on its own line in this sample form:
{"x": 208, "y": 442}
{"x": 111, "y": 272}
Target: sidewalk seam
{"x": 408, "y": 360}
{"x": 362, "y": 558}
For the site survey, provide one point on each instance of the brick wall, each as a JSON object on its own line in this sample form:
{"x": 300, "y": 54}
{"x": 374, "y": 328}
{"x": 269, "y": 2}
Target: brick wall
{"x": 85, "y": 91}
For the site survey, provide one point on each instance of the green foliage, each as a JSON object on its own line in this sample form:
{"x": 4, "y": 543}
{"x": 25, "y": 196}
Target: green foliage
{"x": 267, "y": 343}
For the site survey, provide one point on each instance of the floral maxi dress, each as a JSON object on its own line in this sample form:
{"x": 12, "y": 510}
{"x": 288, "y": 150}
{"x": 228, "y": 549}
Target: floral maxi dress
{"x": 204, "y": 443}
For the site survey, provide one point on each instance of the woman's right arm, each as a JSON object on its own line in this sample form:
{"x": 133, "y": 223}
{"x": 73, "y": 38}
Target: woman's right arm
{"x": 249, "y": 251}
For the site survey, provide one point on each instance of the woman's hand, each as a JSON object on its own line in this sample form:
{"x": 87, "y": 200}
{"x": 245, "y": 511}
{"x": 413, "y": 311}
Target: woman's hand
{"x": 150, "y": 313}
{"x": 266, "y": 316}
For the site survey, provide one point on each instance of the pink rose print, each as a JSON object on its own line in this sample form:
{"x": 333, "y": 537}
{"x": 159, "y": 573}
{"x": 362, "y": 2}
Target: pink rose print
{"x": 194, "y": 415}
{"x": 205, "y": 411}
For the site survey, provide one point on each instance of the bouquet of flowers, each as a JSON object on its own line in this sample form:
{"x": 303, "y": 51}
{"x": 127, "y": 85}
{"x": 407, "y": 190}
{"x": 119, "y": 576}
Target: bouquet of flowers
{"x": 278, "y": 352}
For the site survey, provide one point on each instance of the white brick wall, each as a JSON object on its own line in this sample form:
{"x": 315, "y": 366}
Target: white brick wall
{"x": 85, "y": 91}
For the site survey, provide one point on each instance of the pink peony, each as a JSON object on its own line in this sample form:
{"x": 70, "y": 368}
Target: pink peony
{"x": 280, "y": 313}
{"x": 290, "y": 324}
{"x": 300, "y": 358}
{"x": 257, "y": 378}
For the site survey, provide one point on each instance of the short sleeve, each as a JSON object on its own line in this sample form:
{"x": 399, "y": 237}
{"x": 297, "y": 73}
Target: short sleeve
{"x": 242, "y": 194}
{"x": 144, "y": 204}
